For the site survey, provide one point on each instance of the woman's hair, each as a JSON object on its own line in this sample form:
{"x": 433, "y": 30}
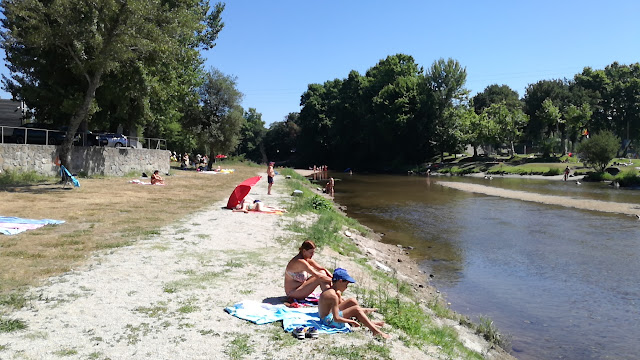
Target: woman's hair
{"x": 307, "y": 245}
{"x": 156, "y": 171}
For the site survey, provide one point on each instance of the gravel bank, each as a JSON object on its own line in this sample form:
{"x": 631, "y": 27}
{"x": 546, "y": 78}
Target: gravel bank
{"x": 163, "y": 297}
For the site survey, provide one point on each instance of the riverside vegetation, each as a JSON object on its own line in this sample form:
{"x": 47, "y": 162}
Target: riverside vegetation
{"x": 415, "y": 320}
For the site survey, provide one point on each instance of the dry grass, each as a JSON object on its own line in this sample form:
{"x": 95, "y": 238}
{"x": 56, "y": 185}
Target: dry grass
{"x": 101, "y": 214}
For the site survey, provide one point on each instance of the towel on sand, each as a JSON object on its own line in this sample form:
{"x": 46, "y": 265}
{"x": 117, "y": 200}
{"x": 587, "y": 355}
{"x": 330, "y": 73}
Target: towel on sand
{"x": 13, "y": 225}
{"x": 263, "y": 313}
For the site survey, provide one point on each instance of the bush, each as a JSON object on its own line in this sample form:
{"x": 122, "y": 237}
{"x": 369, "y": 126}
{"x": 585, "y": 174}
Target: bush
{"x": 598, "y": 151}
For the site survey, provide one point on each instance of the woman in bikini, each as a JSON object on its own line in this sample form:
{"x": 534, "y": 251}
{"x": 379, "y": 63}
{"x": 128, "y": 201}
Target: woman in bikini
{"x": 303, "y": 275}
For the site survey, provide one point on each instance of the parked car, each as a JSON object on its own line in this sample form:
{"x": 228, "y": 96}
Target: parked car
{"x": 36, "y": 133}
{"x": 114, "y": 140}
{"x": 87, "y": 138}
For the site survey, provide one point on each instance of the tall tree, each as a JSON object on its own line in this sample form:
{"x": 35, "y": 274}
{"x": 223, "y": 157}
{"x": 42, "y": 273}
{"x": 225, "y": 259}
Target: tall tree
{"x": 61, "y": 52}
{"x": 446, "y": 80}
{"x": 507, "y": 124}
{"x": 496, "y": 94}
{"x": 219, "y": 119}
{"x": 252, "y": 137}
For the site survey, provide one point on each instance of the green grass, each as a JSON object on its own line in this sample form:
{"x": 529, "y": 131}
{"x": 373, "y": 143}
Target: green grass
{"x": 11, "y": 325}
{"x": 371, "y": 350}
{"x": 66, "y": 352}
{"x": 239, "y": 347}
{"x": 15, "y": 178}
{"x": 14, "y": 300}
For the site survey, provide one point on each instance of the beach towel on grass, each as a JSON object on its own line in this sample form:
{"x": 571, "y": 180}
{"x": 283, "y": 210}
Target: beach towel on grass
{"x": 263, "y": 313}
{"x": 12, "y": 225}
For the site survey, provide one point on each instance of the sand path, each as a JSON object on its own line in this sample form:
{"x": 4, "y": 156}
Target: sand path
{"x": 584, "y": 204}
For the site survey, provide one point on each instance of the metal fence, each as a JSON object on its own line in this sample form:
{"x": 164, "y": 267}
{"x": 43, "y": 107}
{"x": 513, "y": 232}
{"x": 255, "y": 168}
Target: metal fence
{"x": 32, "y": 135}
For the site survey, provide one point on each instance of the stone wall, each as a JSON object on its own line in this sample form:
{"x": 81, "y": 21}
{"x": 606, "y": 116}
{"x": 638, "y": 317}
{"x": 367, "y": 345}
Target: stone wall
{"x": 86, "y": 160}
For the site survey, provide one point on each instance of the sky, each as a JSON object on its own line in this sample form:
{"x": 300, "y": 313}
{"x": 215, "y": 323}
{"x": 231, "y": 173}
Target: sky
{"x": 277, "y": 48}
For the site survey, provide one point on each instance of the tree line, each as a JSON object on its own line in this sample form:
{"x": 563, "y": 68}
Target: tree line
{"x": 137, "y": 64}
{"x": 397, "y": 114}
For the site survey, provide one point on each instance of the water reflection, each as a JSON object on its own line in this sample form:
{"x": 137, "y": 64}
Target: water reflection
{"x": 562, "y": 281}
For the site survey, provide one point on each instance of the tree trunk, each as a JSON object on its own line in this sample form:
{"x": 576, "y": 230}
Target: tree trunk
{"x": 475, "y": 151}
{"x": 82, "y": 114}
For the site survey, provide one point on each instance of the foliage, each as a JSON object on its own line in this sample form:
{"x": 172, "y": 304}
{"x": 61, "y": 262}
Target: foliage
{"x": 14, "y": 178}
{"x": 10, "y": 325}
{"x": 599, "y": 150}
{"x": 139, "y": 52}
{"x": 218, "y": 121}
{"x": 252, "y": 134}
{"x": 494, "y": 94}
{"x": 282, "y": 137}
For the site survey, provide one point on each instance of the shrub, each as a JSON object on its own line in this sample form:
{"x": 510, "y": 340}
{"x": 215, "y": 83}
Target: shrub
{"x": 598, "y": 151}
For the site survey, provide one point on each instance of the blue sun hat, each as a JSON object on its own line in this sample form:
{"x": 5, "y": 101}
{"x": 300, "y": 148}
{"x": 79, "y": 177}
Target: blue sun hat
{"x": 341, "y": 274}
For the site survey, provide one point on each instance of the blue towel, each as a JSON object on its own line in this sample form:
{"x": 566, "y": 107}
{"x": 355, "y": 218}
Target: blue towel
{"x": 9, "y": 224}
{"x": 75, "y": 181}
{"x": 262, "y": 313}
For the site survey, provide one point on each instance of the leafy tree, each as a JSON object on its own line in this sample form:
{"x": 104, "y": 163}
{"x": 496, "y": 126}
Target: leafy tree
{"x": 446, "y": 81}
{"x": 507, "y": 124}
{"x": 282, "y": 137}
{"x": 599, "y": 150}
{"x": 252, "y": 137}
{"x": 557, "y": 91}
{"x": 219, "y": 119}
{"x": 578, "y": 119}
{"x": 496, "y": 94}
{"x": 551, "y": 117}
{"x": 61, "y": 52}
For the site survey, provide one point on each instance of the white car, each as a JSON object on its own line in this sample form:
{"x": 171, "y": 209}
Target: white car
{"x": 115, "y": 140}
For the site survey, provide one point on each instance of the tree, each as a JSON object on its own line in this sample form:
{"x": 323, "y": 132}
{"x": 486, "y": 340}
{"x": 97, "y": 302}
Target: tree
{"x": 507, "y": 124}
{"x": 496, "y": 94}
{"x": 252, "y": 137}
{"x": 219, "y": 119}
{"x": 61, "y": 52}
{"x": 550, "y": 116}
{"x": 446, "y": 81}
{"x": 577, "y": 120}
{"x": 599, "y": 150}
{"x": 282, "y": 138}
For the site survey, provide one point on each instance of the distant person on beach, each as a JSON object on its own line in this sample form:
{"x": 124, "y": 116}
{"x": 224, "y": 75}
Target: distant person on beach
{"x": 566, "y": 173}
{"x": 334, "y": 311}
{"x": 330, "y": 185}
{"x": 156, "y": 179}
{"x": 303, "y": 275}
{"x": 270, "y": 175}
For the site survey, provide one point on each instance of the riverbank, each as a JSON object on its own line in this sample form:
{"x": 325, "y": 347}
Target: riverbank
{"x": 584, "y": 204}
{"x": 163, "y": 295}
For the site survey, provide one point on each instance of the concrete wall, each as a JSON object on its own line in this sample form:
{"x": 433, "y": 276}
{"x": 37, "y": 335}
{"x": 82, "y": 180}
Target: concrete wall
{"x": 87, "y": 160}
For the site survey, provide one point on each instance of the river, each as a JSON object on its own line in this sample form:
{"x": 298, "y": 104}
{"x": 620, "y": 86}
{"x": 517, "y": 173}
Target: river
{"x": 562, "y": 283}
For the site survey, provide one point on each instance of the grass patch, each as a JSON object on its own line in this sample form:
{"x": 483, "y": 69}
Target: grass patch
{"x": 94, "y": 215}
{"x": 11, "y": 325}
{"x": 188, "y": 307}
{"x": 239, "y": 347}
{"x": 11, "y": 178}
{"x": 13, "y": 300}
{"x": 371, "y": 350}
{"x": 153, "y": 311}
{"x": 66, "y": 352}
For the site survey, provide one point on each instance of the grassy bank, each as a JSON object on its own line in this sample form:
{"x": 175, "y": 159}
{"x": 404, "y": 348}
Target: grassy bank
{"x": 103, "y": 213}
{"x": 402, "y": 307}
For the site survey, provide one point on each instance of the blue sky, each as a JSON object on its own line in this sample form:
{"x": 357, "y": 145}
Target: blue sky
{"x": 276, "y": 48}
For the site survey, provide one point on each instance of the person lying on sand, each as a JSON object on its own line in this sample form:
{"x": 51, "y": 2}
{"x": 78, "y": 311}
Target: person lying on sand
{"x": 335, "y": 311}
{"x": 303, "y": 275}
{"x": 247, "y": 205}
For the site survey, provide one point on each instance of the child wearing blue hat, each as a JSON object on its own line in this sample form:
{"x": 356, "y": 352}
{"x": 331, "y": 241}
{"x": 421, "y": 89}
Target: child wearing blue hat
{"x": 335, "y": 311}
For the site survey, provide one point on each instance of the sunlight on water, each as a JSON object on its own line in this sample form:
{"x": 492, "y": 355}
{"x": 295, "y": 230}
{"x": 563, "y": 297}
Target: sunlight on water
{"x": 563, "y": 282}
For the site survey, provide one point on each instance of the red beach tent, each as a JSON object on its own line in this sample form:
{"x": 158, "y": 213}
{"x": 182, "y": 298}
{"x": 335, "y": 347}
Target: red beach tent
{"x": 241, "y": 191}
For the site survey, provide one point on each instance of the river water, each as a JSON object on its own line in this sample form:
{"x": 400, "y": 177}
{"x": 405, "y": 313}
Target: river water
{"x": 562, "y": 283}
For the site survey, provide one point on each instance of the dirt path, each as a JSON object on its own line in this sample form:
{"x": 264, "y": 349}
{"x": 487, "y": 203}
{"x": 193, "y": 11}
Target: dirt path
{"x": 163, "y": 297}
{"x": 584, "y": 204}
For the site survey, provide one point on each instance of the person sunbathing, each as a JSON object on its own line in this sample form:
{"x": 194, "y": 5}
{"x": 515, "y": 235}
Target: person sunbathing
{"x": 156, "y": 179}
{"x": 247, "y": 205}
{"x": 334, "y": 311}
{"x": 303, "y": 275}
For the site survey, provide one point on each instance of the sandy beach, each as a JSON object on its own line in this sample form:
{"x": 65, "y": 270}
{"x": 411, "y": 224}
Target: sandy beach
{"x": 584, "y": 204}
{"x": 163, "y": 297}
